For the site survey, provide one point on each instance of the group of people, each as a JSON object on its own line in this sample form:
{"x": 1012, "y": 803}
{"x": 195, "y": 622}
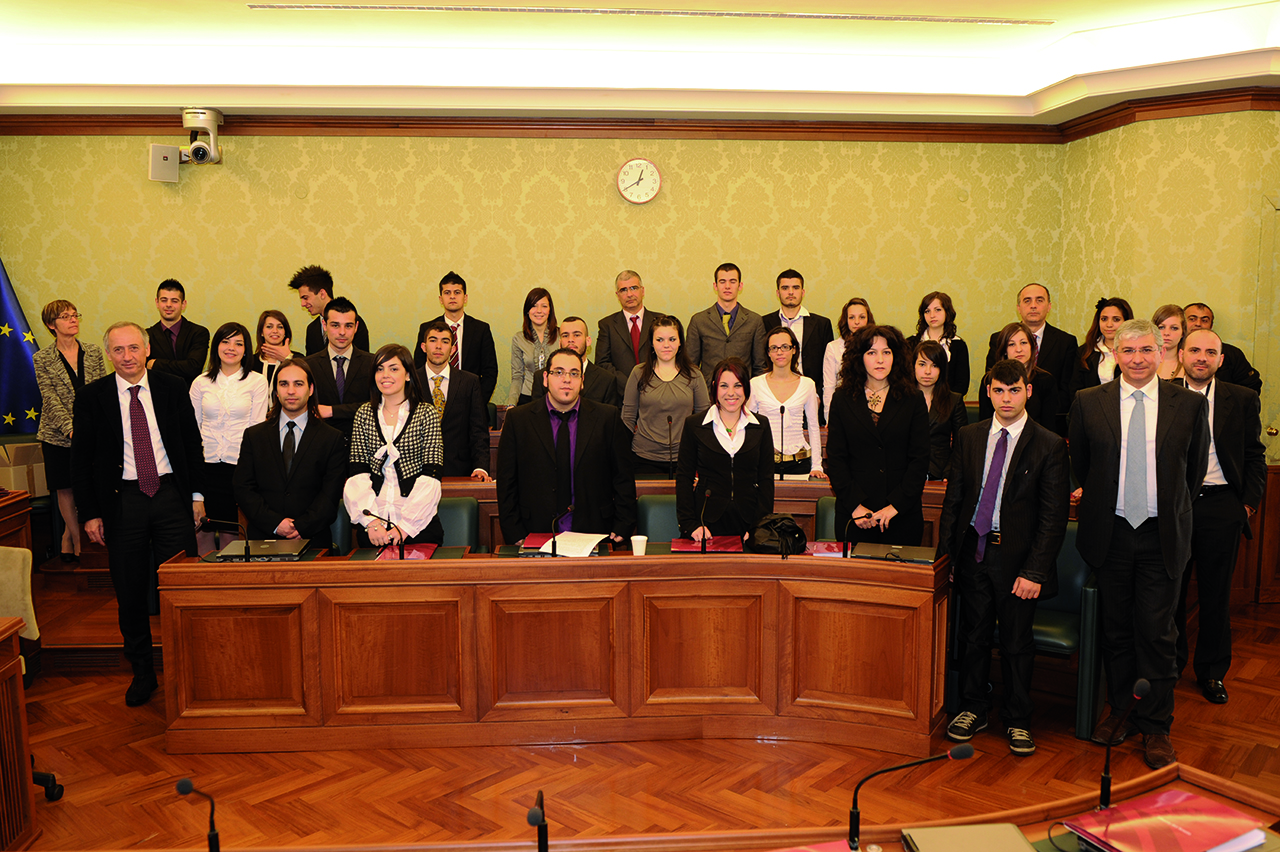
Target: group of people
{"x": 225, "y": 423}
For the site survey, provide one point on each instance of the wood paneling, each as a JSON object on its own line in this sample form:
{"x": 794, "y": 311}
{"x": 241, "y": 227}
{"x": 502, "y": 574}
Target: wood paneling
{"x": 17, "y": 805}
{"x": 15, "y": 519}
{"x": 1268, "y": 543}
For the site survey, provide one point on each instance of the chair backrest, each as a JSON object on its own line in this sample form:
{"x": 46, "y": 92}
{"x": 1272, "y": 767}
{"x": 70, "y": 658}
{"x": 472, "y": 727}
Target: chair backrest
{"x": 15, "y": 589}
{"x": 340, "y": 532}
{"x": 824, "y": 522}
{"x": 1073, "y": 573}
{"x": 460, "y": 517}
{"x": 657, "y": 517}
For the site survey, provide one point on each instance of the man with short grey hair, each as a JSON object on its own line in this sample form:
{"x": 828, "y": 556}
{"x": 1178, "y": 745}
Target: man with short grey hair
{"x": 625, "y": 339}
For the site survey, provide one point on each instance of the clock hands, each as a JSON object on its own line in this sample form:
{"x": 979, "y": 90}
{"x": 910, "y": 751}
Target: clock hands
{"x": 638, "y": 180}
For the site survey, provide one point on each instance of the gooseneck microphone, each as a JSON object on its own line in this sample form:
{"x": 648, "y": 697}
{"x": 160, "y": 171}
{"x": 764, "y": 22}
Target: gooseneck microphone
{"x": 671, "y": 466}
{"x": 213, "y": 524}
{"x": 960, "y": 752}
{"x": 706, "y": 533}
{"x": 782, "y": 434}
{"x": 389, "y": 523}
{"x": 538, "y": 819}
{"x": 555, "y": 526}
{"x": 1141, "y": 689}
{"x": 185, "y": 787}
{"x": 848, "y": 549}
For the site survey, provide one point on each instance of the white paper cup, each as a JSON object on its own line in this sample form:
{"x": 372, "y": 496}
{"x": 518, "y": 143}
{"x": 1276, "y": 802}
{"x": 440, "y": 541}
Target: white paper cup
{"x": 638, "y": 544}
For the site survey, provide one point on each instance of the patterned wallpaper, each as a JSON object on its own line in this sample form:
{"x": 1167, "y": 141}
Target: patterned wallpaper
{"x": 1158, "y": 209}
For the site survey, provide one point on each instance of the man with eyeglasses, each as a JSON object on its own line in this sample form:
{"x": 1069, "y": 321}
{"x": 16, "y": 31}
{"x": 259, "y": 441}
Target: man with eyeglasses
{"x": 598, "y": 385}
{"x": 1140, "y": 449}
{"x": 625, "y": 338}
{"x": 560, "y": 453}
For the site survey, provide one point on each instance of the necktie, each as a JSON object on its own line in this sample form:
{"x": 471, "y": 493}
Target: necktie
{"x": 173, "y": 338}
{"x": 982, "y": 520}
{"x": 724, "y": 318}
{"x": 340, "y": 376}
{"x": 455, "y": 360}
{"x": 1135, "y": 465}
{"x": 289, "y": 446}
{"x": 564, "y": 465}
{"x": 437, "y": 396}
{"x": 635, "y": 337}
{"x": 144, "y": 455}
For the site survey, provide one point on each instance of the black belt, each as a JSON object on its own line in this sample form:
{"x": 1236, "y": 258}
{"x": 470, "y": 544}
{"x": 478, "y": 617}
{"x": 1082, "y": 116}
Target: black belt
{"x": 133, "y": 483}
{"x": 993, "y": 537}
{"x": 1207, "y": 490}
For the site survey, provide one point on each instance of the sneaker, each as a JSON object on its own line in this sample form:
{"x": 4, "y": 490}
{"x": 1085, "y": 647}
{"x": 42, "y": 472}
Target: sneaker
{"x": 1020, "y": 741}
{"x": 964, "y": 726}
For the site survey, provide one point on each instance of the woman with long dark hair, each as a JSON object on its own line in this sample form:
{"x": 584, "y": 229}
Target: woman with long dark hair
{"x": 273, "y": 341}
{"x": 937, "y": 322}
{"x": 789, "y": 401}
{"x": 1018, "y": 343}
{"x": 532, "y": 344}
{"x": 878, "y": 441}
{"x": 1095, "y": 362}
{"x": 662, "y": 392}
{"x": 855, "y": 314}
{"x": 947, "y": 414}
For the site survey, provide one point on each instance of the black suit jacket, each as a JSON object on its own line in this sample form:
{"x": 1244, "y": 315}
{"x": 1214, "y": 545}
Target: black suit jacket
{"x": 1237, "y": 370}
{"x": 598, "y": 385}
{"x": 308, "y": 493}
{"x": 359, "y": 382}
{"x": 816, "y": 335}
{"x": 191, "y": 356}
{"x": 1033, "y": 505}
{"x": 604, "y": 484}
{"x": 465, "y": 424}
{"x": 613, "y": 345}
{"x": 97, "y": 443}
{"x": 1182, "y": 455}
{"x": 942, "y": 435}
{"x": 316, "y": 340}
{"x": 876, "y": 465}
{"x": 1237, "y": 425}
{"x": 1057, "y": 355}
{"x": 477, "y": 357}
{"x": 746, "y": 480}
{"x": 1087, "y": 376}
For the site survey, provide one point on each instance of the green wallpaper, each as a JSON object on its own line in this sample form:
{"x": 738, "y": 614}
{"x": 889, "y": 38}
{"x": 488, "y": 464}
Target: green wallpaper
{"x": 1156, "y": 211}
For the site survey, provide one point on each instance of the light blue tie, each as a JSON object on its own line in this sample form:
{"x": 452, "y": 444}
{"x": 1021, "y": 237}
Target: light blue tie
{"x": 1135, "y": 465}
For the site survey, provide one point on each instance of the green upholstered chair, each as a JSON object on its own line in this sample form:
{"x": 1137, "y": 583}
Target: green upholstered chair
{"x": 824, "y": 521}
{"x": 657, "y": 517}
{"x": 460, "y": 517}
{"x": 340, "y": 532}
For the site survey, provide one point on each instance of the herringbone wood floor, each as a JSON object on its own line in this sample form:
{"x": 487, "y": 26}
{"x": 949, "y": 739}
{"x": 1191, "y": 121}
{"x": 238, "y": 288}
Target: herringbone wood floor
{"x": 120, "y": 782}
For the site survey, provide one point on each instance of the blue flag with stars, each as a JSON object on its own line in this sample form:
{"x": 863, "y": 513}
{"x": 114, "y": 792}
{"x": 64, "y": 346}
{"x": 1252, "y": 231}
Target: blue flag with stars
{"x": 19, "y": 396}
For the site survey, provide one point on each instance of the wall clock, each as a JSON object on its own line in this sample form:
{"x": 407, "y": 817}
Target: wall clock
{"x": 639, "y": 180}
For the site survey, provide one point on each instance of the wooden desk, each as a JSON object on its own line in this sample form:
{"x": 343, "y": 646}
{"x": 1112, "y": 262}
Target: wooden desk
{"x": 337, "y": 654}
{"x": 15, "y": 519}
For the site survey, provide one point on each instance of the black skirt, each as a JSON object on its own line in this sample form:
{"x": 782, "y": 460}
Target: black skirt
{"x": 57, "y": 466}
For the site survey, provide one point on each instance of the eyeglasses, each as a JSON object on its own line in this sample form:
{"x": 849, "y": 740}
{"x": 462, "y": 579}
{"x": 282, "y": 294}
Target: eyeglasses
{"x": 68, "y": 316}
{"x": 1131, "y": 351}
{"x": 786, "y": 348}
{"x": 633, "y": 288}
{"x": 560, "y": 373}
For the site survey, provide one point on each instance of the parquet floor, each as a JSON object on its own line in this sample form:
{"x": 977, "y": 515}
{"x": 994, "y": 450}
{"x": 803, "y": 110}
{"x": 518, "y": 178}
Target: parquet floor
{"x": 120, "y": 782}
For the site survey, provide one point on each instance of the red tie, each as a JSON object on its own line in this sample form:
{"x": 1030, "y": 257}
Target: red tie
{"x": 635, "y": 337}
{"x": 144, "y": 455}
{"x": 455, "y": 360}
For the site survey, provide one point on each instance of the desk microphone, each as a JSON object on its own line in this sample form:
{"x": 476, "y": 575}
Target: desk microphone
{"x": 782, "y": 438}
{"x": 960, "y": 752}
{"x": 185, "y": 787}
{"x": 538, "y": 819}
{"x": 1141, "y": 689}
{"x": 706, "y": 498}
{"x": 848, "y": 545}
{"x": 213, "y": 524}
{"x": 671, "y": 474}
{"x": 390, "y": 523}
{"x": 555, "y": 526}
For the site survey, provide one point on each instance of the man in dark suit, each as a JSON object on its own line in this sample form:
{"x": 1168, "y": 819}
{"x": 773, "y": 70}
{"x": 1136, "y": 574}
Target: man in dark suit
{"x": 598, "y": 384}
{"x": 564, "y": 451}
{"x": 1055, "y": 349}
{"x": 1139, "y": 448}
{"x": 1228, "y": 499}
{"x": 343, "y": 372}
{"x": 473, "y": 340}
{"x": 291, "y": 469}
{"x": 1235, "y": 368}
{"x": 1003, "y": 520}
{"x": 179, "y": 346}
{"x": 812, "y": 331}
{"x": 726, "y": 329}
{"x": 456, "y": 395}
{"x": 315, "y": 288}
{"x": 625, "y": 339}
{"x": 138, "y": 466}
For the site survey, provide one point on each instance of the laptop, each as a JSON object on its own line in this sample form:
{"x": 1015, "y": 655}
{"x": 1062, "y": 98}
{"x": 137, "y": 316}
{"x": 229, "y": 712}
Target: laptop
{"x": 894, "y": 553}
{"x": 265, "y": 550}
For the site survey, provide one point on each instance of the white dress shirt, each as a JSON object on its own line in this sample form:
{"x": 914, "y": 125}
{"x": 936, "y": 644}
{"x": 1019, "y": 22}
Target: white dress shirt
{"x": 797, "y": 328}
{"x": 1015, "y": 432}
{"x": 831, "y": 359}
{"x": 788, "y": 435}
{"x": 731, "y": 443}
{"x": 225, "y": 406}
{"x": 458, "y": 328}
{"x": 130, "y": 468}
{"x": 1151, "y": 408}
{"x": 1214, "y": 476}
{"x": 300, "y": 426}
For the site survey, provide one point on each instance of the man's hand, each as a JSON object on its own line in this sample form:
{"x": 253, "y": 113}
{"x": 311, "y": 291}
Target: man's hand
{"x": 286, "y": 529}
{"x": 1025, "y": 589}
{"x": 94, "y": 529}
{"x": 863, "y": 518}
{"x": 326, "y": 411}
{"x": 480, "y": 476}
{"x": 197, "y": 510}
{"x": 1075, "y": 496}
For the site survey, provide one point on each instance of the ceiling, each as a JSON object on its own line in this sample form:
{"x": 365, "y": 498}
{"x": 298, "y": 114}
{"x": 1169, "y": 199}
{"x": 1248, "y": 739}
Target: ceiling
{"x": 926, "y": 60}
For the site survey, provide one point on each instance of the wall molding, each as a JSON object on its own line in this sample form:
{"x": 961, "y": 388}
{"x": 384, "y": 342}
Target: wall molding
{"x": 1145, "y": 109}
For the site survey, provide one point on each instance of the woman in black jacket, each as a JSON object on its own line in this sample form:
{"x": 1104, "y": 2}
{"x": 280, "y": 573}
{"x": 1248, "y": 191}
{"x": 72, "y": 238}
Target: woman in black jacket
{"x": 946, "y": 407}
{"x": 1095, "y": 363}
{"x": 1018, "y": 343}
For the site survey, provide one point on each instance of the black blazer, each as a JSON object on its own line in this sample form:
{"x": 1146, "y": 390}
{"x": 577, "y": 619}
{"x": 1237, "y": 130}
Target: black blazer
{"x": 1042, "y": 404}
{"x": 876, "y": 465}
{"x": 942, "y": 436}
{"x": 308, "y": 493}
{"x": 191, "y": 356}
{"x": 254, "y": 361}
{"x": 478, "y": 357}
{"x": 97, "y": 443}
{"x": 817, "y": 334}
{"x": 1033, "y": 505}
{"x": 465, "y": 424}
{"x": 1182, "y": 455}
{"x": 1087, "y": 376}
{"x": 1057, "y": 355}
{"x": 603, "y": 481}
{"x": 316, "y": 340}
{"x": 598, "y": 385}
{"x": 1237, "y": 425}
{"x": 1237, "y": 370}
{"x": 613, "y": 345}
{"x": 745, "y": 480}
{"x": 359, "y": 382}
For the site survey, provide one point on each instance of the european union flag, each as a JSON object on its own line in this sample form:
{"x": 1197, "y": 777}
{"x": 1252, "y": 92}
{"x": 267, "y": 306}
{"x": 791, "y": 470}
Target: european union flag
{"x": 19, "y": 396}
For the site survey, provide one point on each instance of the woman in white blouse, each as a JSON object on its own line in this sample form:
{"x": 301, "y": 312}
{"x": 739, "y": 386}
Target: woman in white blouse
{"x": 227, "y": 399}
{"x": 856, "y": 314}
{"x": 788, "y": 401}
{"x": 1095, "y": 362}
{"x": 397, "y": 458}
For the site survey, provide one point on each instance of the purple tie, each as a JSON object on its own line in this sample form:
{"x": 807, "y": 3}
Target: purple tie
{"x": 987, "y": 503}
{"x": 340, "y": 377}
{"x": 144, "y": 455}
{"x": 173, "y": 338}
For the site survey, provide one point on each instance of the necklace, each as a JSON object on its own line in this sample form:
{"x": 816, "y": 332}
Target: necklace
{"x": 875, "y": 397}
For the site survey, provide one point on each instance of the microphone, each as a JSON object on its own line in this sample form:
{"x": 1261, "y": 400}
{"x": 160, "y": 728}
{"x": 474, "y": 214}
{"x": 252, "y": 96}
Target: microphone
{"x": 214, "y": 525}
{"x": 1141, "y": 689}
{"x": 555, "y": 526}
{"x": 538, "y": 819}
{"x": 388, "y": 522}
{"x": 670, "y": 464}
{"x": 782, "y": 438}
{"x": 960, "y": 752}
{"x": 848, "y": 550}
{"x": 706, "y": 497}
{"x": 185, "y": 787}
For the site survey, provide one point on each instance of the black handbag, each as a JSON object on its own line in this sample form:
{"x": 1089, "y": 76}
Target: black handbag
{"x": 778, "y": 535}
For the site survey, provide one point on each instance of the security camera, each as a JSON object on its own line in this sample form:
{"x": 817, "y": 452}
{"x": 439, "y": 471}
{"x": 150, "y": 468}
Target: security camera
{"x": 199, "y": 120}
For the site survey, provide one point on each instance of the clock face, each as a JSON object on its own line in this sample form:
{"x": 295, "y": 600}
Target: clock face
{"x": 639, "y": 181}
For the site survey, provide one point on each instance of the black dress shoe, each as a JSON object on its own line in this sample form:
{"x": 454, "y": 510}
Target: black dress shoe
{"x": 139, "y": 691}
{"x": 69, "y": 557}
{"x": 1214, "y": 691}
